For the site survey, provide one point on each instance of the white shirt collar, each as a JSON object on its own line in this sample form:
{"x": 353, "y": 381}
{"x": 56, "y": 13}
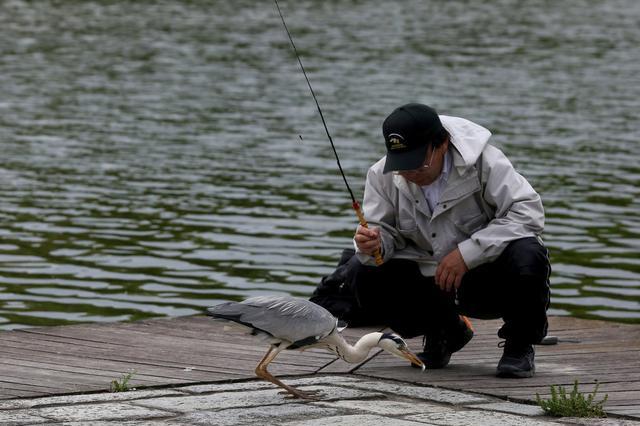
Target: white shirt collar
{"x": 444, "y": 174}
{"x": 434, "y": 189}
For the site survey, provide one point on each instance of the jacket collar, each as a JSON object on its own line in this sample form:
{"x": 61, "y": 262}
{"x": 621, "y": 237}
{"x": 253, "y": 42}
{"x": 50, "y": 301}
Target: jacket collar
{"x": 468, "y": 138}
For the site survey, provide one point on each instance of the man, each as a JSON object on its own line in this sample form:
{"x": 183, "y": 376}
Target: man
{"x": 459, "y": 232}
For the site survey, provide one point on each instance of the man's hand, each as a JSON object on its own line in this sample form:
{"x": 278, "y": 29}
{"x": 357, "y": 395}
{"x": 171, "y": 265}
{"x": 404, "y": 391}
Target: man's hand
{"x": 450, "y": 271}
{"x": 367, "y": 239}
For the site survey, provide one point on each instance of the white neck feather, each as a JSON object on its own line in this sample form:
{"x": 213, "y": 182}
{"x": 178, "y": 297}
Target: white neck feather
{"x": 356, "y": 353}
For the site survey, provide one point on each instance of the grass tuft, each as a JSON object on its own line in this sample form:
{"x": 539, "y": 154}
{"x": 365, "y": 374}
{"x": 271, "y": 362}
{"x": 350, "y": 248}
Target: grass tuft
{"x": 575, "y": 404}
{"x": 122, "y": 385}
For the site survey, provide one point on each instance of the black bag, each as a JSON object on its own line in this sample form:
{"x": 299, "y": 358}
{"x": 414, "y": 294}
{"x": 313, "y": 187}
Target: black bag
{"x": 334, "y": 293}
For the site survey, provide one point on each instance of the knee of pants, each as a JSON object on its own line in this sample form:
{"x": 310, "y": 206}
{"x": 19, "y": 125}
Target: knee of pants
{"x": 527, "y": 257}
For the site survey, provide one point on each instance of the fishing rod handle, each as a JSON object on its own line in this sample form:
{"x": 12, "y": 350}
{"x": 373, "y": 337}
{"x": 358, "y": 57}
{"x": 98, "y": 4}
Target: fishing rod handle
{"x": 363, "y": 222}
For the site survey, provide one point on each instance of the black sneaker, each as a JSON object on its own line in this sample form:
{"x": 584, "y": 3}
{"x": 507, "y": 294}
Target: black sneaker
{"x": 517, "y": 360}
{"x": 439, "y": 346}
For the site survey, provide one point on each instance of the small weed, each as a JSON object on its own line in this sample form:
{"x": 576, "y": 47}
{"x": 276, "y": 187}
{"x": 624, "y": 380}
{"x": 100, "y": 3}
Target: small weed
{"x": 574, "y": 404}
{"x": 121, "y": 385}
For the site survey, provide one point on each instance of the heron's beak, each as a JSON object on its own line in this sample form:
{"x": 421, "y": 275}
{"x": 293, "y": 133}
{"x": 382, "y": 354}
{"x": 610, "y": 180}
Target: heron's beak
{"x": 413, "y": 359}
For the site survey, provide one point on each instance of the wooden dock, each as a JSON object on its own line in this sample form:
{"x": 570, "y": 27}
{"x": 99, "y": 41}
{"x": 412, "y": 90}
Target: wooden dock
{"x": 167, "y": 352}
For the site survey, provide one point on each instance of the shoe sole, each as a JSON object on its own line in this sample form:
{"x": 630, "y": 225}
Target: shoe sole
{"x": 467, "y": 338}
{"x": 515, "y": 374}
{"x": 432, "y": 366}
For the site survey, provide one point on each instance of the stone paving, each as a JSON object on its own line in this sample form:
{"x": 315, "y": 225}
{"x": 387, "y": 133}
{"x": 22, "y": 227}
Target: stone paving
{"x": 345, "y": 400}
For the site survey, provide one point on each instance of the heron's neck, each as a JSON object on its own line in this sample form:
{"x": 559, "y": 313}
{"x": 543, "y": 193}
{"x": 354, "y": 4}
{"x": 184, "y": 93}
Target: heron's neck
{"x": 356, "y": 353}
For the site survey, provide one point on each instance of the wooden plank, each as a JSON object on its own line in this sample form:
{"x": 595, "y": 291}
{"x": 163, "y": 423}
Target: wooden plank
{"x": 180, "y": 348}
{"x": 174, "y": 348}
{"x": 131, "y": 357}
{"x": 42, "y": 338}
{"x": 102, "y": 374}
{"x": 67, "y": 381}
{"x": 485, "y": 373}
{"x": 624, "y": 411}
{"x": 560, "y": 326}
{"x": 169, "y": 353}
{"x": 17, "y": 383}
{"x": 115, "y": 368}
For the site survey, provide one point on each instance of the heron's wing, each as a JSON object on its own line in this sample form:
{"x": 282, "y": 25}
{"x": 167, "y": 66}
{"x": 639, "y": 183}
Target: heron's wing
{"x": 236, "y": 313}
{"x": 288, "y": 318}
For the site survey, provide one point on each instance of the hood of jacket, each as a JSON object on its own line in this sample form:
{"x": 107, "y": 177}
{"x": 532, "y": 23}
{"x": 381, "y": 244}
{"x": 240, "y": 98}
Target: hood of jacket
{"x": 468, "y": 138}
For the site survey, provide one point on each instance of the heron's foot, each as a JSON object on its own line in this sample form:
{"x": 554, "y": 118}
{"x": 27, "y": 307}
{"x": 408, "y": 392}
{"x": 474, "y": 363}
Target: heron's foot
{"x": 293, "y": 393}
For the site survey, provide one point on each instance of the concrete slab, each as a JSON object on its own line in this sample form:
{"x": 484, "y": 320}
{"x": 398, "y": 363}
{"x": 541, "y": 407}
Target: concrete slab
{"x": 257, "y": 415}
{"x": 327, "y": 379}
{"x": 20, "y": 418}
{"x": 92, "y": 412}
{"x": 257, "y": 384}
{"x": 249, "y": 398}
{"x": 217, "y": 387}
{"x": 348, "y": 400}
{"x": 86, "y": 398}
{"x": 477, "y": 418}
{"x": 387, "y": 407}
{"x": 332, "y": 392}
{"x": 513, "y": 408}
{"x": 156, "y": 422}
{"x": 354, "y": 420}
{"x": 600, "y": 422}
{"x": 422, "y": 392}
{"x": 216, "y": 401}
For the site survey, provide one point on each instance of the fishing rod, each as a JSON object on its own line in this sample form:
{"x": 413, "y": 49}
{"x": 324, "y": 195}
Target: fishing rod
{"x": 354, "y": 202}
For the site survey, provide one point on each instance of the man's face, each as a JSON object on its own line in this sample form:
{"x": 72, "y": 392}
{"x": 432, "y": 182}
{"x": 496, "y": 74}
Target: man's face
{"x": 430, "y": 169}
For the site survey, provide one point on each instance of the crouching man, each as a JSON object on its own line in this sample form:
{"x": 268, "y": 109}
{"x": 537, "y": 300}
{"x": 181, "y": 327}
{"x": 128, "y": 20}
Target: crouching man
{"x": 459, "y": 233}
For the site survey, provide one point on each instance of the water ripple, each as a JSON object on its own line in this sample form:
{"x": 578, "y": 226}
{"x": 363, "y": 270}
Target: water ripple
{"x": 160, "y": 159}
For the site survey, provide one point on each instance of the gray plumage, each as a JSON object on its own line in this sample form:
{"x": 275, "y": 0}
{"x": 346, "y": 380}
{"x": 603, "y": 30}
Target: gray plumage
{"x": 293, "y": 323}
{"x": 294, "y": 320}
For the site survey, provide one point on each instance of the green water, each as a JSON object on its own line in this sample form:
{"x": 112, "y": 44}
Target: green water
{"x": 152, "y": 161}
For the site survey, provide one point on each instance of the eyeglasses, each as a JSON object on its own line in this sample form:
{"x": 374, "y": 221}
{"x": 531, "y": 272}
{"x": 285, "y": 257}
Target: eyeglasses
{"x": 419, "y": 169}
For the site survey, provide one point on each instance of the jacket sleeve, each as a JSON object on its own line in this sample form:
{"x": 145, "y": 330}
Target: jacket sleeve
{"x": 379, "y": 211}
{"x": 518, "y": 210}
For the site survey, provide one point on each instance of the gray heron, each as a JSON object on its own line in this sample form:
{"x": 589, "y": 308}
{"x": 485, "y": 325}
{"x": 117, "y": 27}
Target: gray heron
{"x": 298, "y": 324}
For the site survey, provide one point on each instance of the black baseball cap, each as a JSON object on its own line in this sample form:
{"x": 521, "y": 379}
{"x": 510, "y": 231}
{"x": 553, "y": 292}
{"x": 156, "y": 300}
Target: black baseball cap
{"x": 408, "y": 131}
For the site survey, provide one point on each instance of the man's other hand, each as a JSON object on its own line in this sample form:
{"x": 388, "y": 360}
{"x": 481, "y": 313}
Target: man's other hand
{"x": 367, "y": 239}
{"x": 450, "y": 271}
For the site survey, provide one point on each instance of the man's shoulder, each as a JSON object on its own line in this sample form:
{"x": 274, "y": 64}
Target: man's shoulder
{"x": 492, "y": 154}
{"x": 377, "y": 177}
{"x": 378, "y": 167}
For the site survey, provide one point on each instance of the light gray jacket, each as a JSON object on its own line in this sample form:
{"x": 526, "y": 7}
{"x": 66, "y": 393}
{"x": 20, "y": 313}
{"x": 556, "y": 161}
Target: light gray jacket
{"x": 484, "y": 205}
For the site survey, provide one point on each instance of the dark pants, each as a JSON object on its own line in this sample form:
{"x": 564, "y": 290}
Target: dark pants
{"x": 514, "y": 287}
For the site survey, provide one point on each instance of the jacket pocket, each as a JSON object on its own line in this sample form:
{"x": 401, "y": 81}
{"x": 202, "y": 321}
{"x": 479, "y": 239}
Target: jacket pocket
{"x": 471, "y": 224}
{"x": 408, "y": 229}
{"x": 407, "y": 225}
{"x": 406, "y": 219}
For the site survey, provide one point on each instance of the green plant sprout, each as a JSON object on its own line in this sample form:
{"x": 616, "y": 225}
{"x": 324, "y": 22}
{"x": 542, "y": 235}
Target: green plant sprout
{"x": 121, "y": 385}
{"x": 574, "y": 404}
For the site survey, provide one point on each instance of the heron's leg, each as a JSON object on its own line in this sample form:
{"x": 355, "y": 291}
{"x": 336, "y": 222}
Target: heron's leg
{"x": 261, "y": 371}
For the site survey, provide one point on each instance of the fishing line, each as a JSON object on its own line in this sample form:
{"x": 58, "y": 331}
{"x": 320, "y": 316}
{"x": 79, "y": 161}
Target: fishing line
{"x": 355, "y": 204}
{"x": 324, "y": 123}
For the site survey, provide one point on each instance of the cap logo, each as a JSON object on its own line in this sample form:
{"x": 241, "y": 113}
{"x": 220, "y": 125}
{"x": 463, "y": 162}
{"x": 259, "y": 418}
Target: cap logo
{"x": 396, "y": 141}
